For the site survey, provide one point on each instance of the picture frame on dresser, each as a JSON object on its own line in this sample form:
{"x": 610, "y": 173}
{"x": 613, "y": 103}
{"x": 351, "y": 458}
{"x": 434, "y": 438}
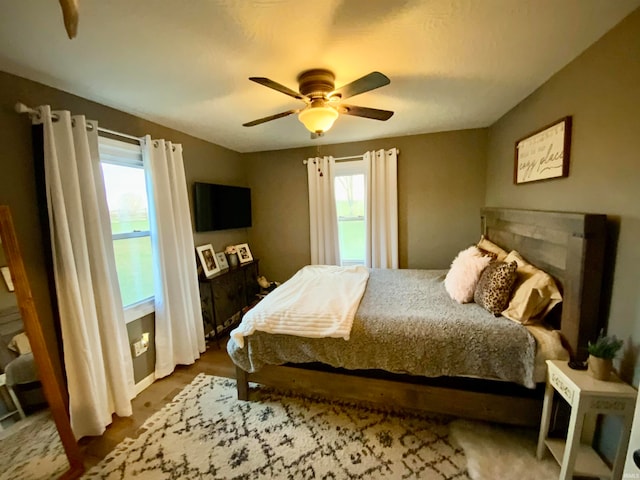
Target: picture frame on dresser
{"x": 208, "y": 260}
{"x": 244, "y": 254}
{"x": 222, "y": 261}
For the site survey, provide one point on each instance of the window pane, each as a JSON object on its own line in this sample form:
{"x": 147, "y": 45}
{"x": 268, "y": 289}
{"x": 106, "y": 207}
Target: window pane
{"x": 127, "y": 198}
{"x": 135, "y": 271}
{"x": 352, "y": 241}
{"x": 350, "y": 205}
{"x": 350, "y": 195}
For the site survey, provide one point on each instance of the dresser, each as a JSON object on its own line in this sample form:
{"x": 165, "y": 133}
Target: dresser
{"x": 225, "y": 296}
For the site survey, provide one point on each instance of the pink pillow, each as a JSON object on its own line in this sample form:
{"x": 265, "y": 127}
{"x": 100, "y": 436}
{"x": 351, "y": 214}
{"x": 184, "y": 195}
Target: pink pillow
{"x": 462, "y": 278}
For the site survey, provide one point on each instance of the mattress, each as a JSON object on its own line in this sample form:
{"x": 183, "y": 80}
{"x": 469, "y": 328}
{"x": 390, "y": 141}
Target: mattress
{"x": 407, "y": 323}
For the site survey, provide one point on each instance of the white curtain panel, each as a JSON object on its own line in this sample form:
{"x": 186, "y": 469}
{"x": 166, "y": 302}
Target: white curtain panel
{"x": 97, "y": 359}
{"x": 179, "y": 329}
{"x": 382, "y": 209}
{"x": 323, "y": 217}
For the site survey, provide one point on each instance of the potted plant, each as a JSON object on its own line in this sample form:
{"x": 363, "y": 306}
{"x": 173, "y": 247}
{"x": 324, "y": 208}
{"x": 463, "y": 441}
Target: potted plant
{"x": 601, "y": 355}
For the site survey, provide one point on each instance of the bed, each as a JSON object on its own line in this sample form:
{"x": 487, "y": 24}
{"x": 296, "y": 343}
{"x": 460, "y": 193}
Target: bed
{"x": 470, "y": 382}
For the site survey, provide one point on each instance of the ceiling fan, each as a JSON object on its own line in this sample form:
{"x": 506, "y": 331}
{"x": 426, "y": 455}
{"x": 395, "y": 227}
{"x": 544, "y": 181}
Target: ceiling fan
{"x": 323, "y": 101}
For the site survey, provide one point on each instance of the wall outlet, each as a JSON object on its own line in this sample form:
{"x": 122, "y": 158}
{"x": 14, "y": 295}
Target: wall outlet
{"x": 137, "y": 348}
{"x": 141, "y": 345}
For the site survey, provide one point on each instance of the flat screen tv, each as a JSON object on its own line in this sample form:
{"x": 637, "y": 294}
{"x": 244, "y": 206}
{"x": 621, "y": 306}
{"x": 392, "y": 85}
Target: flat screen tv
{"x": 221, "y": 207}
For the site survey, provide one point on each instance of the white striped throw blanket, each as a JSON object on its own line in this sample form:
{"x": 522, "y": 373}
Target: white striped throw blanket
{"x": 318, "y": 301}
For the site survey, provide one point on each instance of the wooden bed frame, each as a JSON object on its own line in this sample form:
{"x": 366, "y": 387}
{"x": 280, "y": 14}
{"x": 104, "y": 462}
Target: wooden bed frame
{"x": 569, "y": 246}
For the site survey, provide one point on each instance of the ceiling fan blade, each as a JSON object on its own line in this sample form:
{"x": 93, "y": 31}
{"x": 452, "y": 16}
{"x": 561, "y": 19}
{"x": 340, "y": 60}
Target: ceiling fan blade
{"x": 374, "y": 113}
{"x": 364, "y": 84}
{"x": 276, "y": 86}
{"x": 269, "y": 118}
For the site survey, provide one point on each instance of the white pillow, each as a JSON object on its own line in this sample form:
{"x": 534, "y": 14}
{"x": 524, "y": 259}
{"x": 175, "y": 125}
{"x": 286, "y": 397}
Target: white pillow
{"x": 464, "y": 274}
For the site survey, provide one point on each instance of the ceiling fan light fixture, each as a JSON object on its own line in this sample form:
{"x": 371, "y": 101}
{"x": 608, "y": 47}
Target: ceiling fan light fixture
{"x": 318, "y": 119}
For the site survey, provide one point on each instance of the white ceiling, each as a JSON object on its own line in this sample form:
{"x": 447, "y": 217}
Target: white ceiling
{"x": 453, "y": 64}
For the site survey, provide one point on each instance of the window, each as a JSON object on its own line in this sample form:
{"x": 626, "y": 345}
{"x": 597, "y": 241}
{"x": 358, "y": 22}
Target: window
{"x": 350, "y": 196}
{"x": 126, "y": 192}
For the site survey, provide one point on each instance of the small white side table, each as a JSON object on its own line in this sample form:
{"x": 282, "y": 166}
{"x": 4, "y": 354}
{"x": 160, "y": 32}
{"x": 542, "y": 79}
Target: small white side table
{"x": 14, "y": 399}
{"x": 586, "y": 396}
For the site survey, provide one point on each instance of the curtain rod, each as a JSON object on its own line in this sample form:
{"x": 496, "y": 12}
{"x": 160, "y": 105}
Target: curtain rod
{"x": 347, "y": 159}
{"x": 341, "y": 159}
{"x": 22, "y": 108}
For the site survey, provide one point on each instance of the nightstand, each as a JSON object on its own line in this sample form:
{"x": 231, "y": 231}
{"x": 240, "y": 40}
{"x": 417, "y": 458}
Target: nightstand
{"x": 586, "y": 396}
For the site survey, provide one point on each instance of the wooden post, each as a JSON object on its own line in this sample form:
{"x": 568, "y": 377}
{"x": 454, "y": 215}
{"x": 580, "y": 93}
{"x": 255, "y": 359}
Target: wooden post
{"x": 242, "y": 384}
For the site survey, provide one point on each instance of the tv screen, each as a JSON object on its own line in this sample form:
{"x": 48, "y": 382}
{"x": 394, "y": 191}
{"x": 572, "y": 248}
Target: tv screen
{"x": 221, "y": 207}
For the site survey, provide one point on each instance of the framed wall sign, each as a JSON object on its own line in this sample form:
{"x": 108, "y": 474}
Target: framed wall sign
{"x": 543, "y": 154}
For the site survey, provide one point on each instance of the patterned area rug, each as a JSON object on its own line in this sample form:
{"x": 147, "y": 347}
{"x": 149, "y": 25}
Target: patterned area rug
{"x": 31, "y": 449}
{"x": 206, "y": 433}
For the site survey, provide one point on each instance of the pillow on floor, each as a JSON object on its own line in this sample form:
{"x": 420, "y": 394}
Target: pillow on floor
{"x": 494, "y": 287}
{"x": 465, "y": 271}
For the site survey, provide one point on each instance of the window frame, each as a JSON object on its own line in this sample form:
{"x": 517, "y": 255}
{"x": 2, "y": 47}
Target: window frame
{"x": 116, "y": 152}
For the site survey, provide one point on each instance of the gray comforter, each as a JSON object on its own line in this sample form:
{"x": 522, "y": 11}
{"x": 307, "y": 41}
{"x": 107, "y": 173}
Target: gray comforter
{"x": 407, "y": 323}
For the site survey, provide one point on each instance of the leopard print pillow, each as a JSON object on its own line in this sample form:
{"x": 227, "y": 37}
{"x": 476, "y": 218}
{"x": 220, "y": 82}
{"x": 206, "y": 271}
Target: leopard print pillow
{"x": 494, "y": 287}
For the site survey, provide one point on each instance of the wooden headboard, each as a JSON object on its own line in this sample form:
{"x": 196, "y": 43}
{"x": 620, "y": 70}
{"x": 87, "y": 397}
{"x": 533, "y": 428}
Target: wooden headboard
{"x": 570, "y": 247}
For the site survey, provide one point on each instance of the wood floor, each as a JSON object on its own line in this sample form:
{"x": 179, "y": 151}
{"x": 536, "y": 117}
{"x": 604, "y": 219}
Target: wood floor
{"x": 214, "y": 361}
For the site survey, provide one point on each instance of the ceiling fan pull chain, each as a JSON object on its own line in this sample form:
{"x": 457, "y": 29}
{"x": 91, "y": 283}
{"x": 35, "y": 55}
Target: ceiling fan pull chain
{"x": 316, "y": 161}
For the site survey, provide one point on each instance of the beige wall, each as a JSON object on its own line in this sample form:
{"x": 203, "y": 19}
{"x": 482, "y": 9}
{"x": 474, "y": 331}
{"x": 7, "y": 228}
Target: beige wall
{"x": 203, "y": 162}
{"x": 144, "y": 364}
{"x": 441, "y": 179}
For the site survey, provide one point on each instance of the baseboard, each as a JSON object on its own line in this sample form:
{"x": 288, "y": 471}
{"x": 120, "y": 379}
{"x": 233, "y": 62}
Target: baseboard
{"x": 144, "y": 383}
